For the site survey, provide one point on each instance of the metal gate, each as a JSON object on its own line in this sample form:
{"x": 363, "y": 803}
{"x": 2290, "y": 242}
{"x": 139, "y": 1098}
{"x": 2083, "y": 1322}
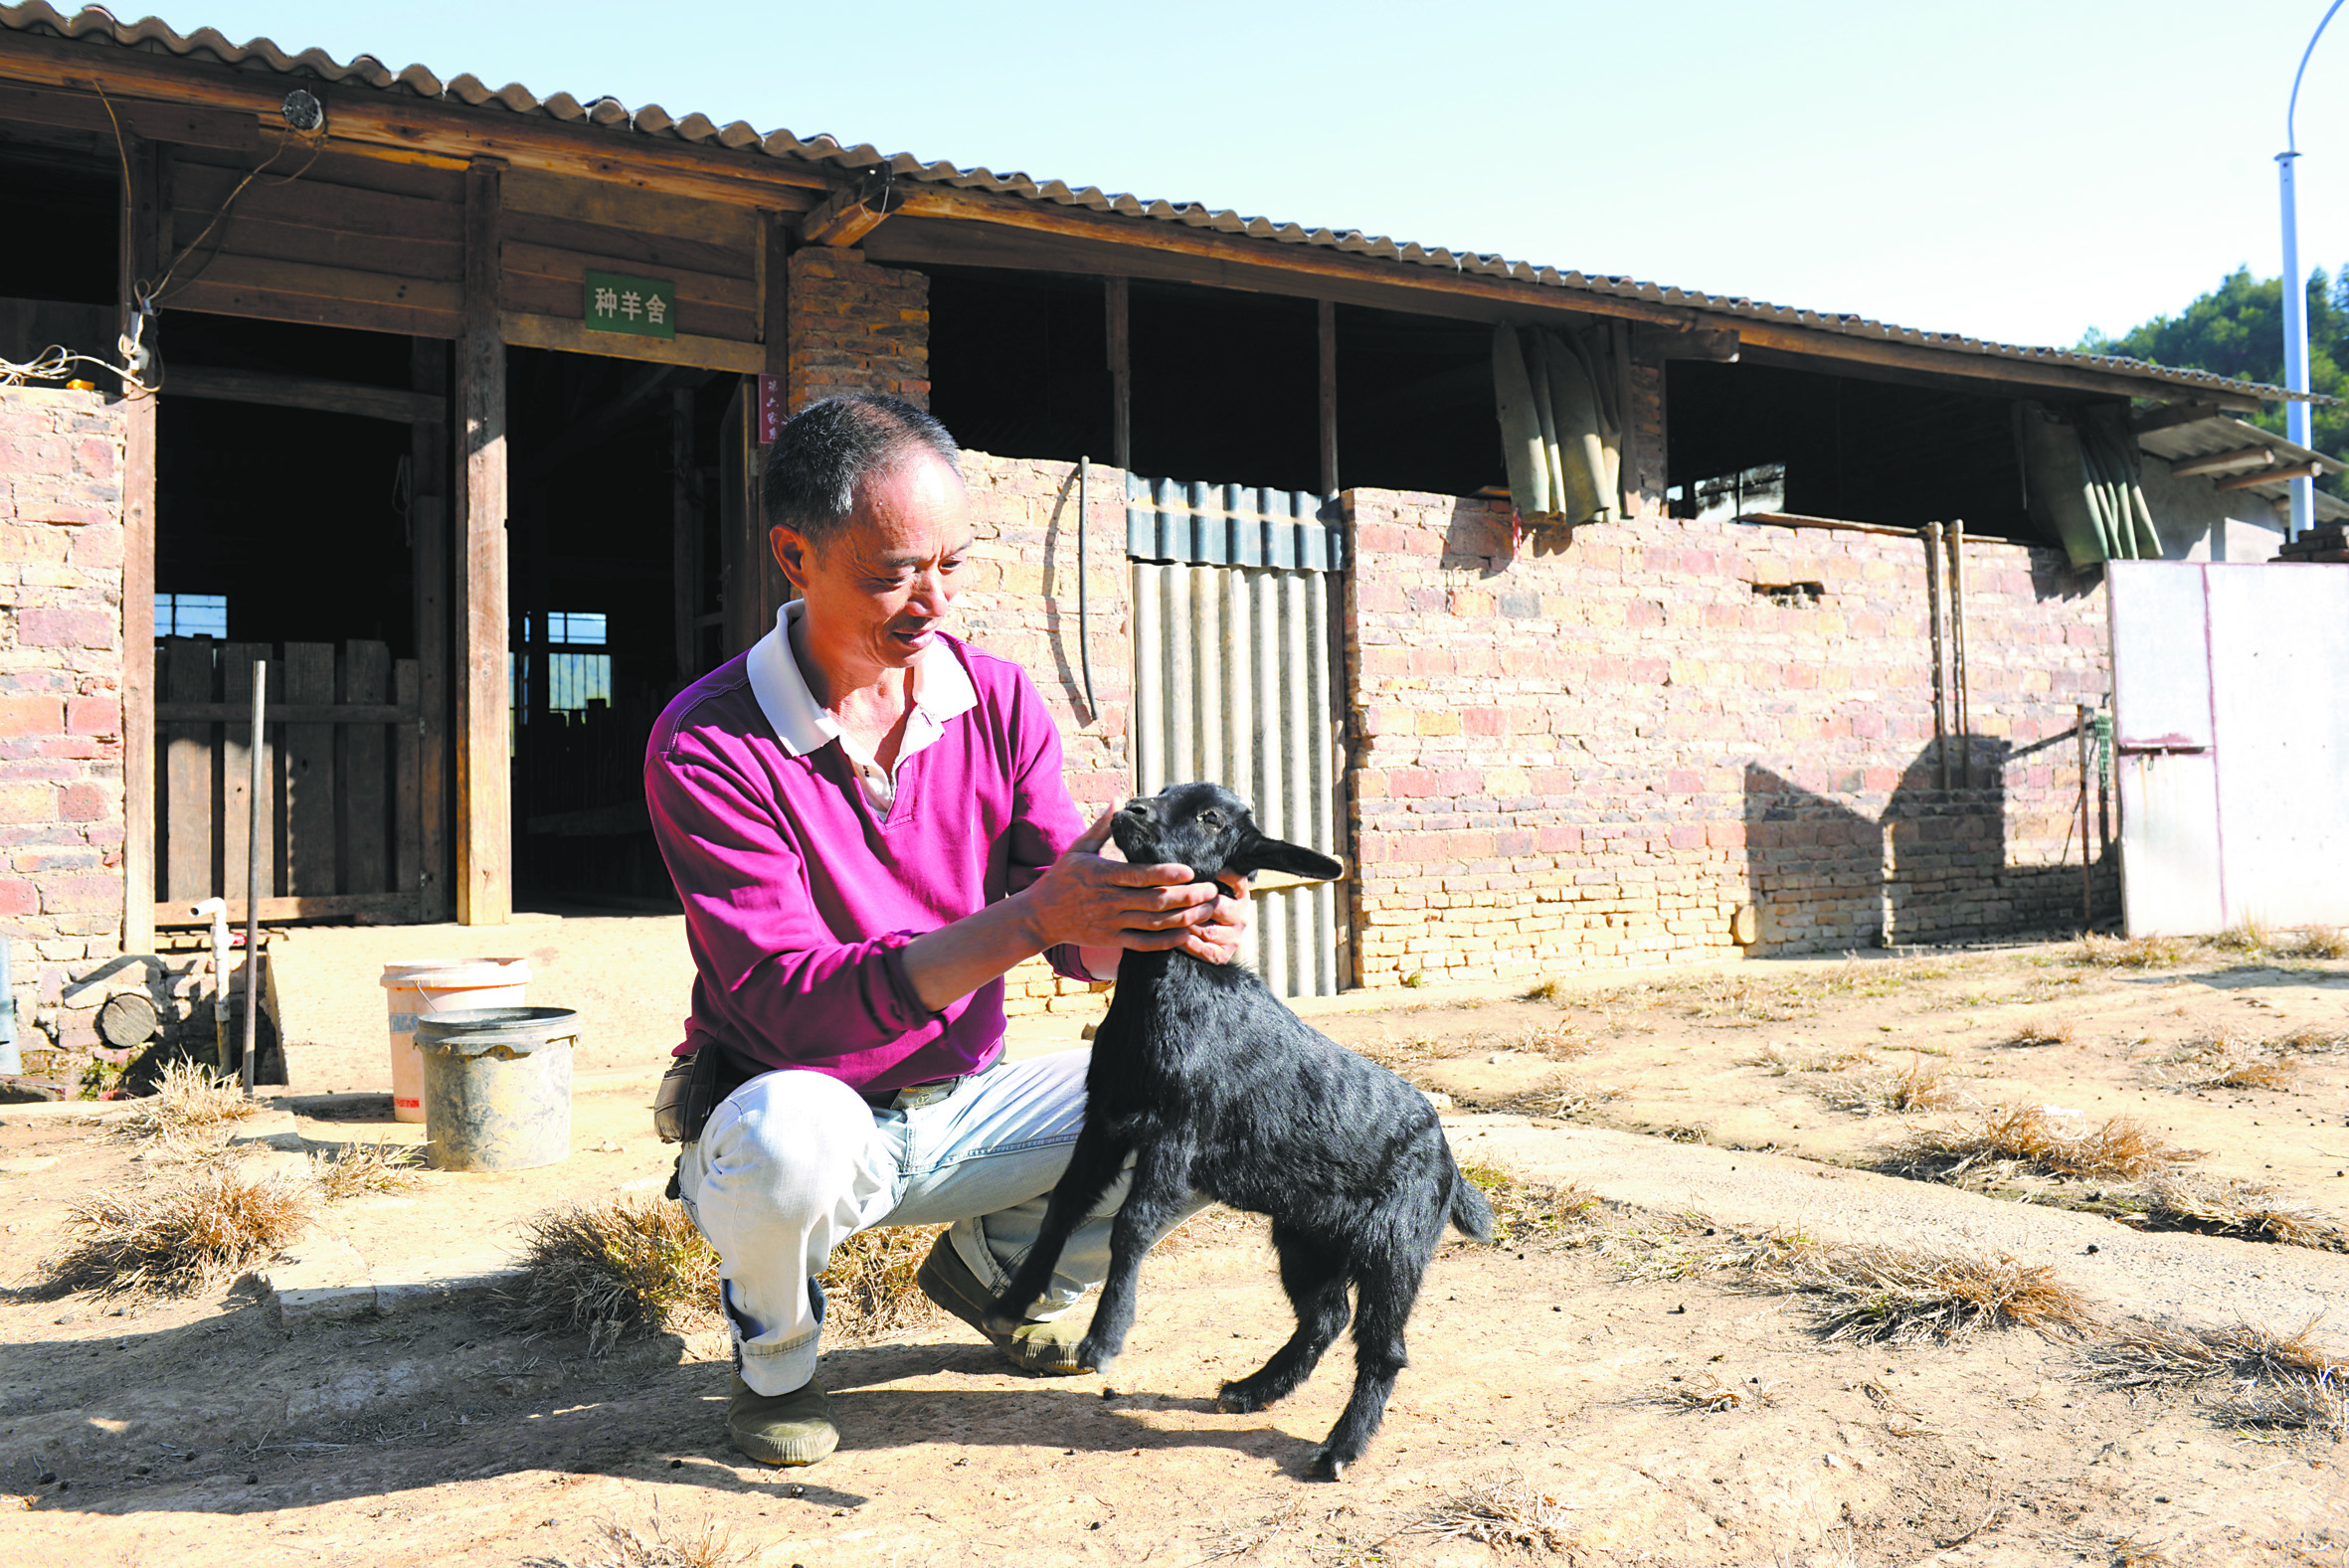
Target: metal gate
{"x": 2232, "y": 733}
{"x": 1235, "y": 682}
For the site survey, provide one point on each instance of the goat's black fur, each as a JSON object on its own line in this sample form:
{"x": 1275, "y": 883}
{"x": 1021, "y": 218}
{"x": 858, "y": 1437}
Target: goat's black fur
{"x": 1214, "y": 1086}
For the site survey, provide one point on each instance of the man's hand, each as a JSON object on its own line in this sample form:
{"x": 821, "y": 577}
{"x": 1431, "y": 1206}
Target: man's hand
{"x": 1217, "y": 938}
{"x": 1088, "y": 900}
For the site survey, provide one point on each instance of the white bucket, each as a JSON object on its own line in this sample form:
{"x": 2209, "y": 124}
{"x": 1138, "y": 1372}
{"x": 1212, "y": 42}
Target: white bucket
{"x": 423, "y": 986}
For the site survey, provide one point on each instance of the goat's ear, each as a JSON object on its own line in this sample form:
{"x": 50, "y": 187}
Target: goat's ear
{"x": 1272, "y": 854}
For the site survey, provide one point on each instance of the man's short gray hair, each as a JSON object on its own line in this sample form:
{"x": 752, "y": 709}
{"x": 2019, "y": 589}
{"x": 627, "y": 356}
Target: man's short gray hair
{"x": 828, "y": 451}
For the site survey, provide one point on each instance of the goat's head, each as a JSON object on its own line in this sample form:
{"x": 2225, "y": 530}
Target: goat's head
{"x": 1209, "y": 828}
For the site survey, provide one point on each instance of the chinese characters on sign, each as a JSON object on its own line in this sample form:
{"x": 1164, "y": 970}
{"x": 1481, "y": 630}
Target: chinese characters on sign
{"x": 770, "y": 409}
{"x": 639, "y": 307}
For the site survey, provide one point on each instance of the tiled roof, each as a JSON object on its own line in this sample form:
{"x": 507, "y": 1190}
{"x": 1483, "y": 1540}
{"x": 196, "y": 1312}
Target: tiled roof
{"x": 94, "y": 25}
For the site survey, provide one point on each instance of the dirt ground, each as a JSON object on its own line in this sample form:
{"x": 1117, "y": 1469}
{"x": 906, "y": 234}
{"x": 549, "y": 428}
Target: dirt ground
{"x": 1580, "y": 1364}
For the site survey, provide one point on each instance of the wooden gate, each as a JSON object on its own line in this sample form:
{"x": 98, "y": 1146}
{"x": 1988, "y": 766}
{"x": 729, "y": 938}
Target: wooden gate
{"x": 342, "y": 786}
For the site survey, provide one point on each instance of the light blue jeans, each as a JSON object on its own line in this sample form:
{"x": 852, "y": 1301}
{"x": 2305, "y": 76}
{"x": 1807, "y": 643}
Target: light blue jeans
{"x": 792, "y": 1163}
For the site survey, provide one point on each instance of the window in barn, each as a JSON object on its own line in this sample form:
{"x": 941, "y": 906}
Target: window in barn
{"x": 1225, "y": 384}
{"x": 192, "y": 616}
{"x": 1754, "y": 439}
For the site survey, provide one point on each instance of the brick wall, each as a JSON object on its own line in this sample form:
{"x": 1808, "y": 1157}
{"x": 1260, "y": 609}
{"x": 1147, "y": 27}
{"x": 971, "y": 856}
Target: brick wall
{"x": 856, "y": 327}
{"x": 1601, "y": 750}
{"x": 1020, "y": 599}
{"x": 61, "y": 697}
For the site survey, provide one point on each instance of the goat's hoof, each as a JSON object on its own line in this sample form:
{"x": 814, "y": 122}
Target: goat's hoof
{"x": 1234, "y": 1400}
{"x": 1095, "y": 1356}
{"x": 1327, "y": 1465}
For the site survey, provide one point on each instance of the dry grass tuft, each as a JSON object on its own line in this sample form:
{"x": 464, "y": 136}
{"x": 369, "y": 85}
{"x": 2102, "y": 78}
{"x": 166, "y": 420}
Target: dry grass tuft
{"x": 2134, "y": 952}
{"x": 622, "y": 1547}
{"x": 868, "y": 1287}
{"x": 2227, "y": 1062}
{"x": 2322, "y": 942}
{"x": 1564, "y": 1096}
{"x": 1900, "y": 1092}
{"x": 179, "y": 1235}
{"x": 1530, "y": 1211}
{"x": 2282, "y": 1380}
{"x": 1544, "y": 990}
{"x": 628, "y": 1265}
{"x": 2252, "y": 1210}
{"x": 356, "y": 1170}
{"x": 2035, "y": 1034}
{"x": 188, "y": 1102}
{"x": 2028, "y": 1138}
{"x": 2249, "y": 936}
{"x": 1505, "y": 1510}
{"x": 1877, "y": 1292}
{"x": 1709, "y": 1393}
{"x": 2311, "y": 1042}
{"x": 1779, "y": 1061}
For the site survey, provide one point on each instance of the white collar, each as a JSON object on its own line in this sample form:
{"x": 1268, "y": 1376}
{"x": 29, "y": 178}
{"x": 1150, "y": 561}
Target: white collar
{"x": 942, "y": 687}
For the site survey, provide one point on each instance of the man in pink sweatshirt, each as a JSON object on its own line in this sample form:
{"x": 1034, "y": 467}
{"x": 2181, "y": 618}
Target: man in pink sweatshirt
{"x": 865, "y": 820}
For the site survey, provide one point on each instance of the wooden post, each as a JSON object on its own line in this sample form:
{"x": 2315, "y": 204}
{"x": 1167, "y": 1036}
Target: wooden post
{"x": 428, "y": 518}
{"x": 685, "y": 536}
{"x": 484, "y": 806}
{"x": 1933, "y": 612}
{"x": 1119, "y": 300}
{"x": 1963, "y": 719}
{"x": 1627, "y": 456}
{"x": 138, "y": 260}
{"x": 1327, "y": 321}
{"x": 2088, "y": 852}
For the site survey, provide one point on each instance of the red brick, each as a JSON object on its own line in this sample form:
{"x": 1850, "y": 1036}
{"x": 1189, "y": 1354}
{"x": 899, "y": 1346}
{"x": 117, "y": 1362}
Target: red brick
{"x": 31, "y": 715}
{"x": 90, "y": 893}
{"x": 95, "y": 716}
{"x": 65, "y": 629}
{"x": 17, "y": 897}
{"x": 86, "y": 802}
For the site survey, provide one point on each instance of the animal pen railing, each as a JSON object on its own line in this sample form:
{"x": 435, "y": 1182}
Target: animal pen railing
{"x": 1235, "y": 682}
{"x": 342, "y": 785}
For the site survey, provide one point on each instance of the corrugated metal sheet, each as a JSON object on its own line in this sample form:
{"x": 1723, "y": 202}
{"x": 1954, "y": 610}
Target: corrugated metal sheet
{"x": 1232, "y": 683}
{"x": 1232, "y": 525}
{"x": 2222, "y": 433}
{"x": 96, "y": 26}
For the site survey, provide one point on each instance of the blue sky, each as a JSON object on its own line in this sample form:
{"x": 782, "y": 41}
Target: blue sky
{"x": 2017, "y": 171}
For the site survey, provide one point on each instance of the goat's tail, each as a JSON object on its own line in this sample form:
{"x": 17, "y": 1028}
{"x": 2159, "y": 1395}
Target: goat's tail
{"x": 1470, "y": 1212}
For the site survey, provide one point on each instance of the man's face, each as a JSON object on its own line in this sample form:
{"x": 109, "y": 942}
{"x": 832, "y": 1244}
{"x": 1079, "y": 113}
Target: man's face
{"x": 877, "y": 589}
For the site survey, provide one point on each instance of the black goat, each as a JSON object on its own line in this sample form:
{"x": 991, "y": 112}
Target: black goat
{"x": 1214, "y": 1086}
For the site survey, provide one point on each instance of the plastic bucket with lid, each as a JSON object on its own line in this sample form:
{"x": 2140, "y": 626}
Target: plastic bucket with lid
{"x": 419, "y": 987}
{"x": 497, "y": 1086}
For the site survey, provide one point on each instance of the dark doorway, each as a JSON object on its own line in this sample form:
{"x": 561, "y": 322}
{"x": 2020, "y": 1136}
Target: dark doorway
{"x": 616, "y": 604}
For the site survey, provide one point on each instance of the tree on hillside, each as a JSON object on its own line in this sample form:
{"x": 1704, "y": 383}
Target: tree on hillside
{"x": 2237, "y": 329}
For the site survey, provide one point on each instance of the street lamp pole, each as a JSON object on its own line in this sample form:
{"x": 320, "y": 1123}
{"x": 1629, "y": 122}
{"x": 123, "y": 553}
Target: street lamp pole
{"x": 2296, "y": 425}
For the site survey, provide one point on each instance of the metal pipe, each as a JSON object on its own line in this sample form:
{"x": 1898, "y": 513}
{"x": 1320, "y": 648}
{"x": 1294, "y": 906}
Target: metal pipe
{"x": 2296, "y": 426}
{"x": 218, "y": 909}
{"x": 1963, "y": 719}
{"x": 1934, "y": 601}
{"x": 252, "y": 852}
{"x": 1084, "y": 639}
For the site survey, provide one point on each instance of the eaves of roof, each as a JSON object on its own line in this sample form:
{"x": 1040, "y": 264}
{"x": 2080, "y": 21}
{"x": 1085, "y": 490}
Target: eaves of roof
{"x": 96, "y": 26}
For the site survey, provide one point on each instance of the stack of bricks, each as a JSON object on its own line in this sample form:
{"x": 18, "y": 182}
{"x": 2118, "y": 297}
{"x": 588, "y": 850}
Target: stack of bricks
{"x": 61, "y": 700}
{"x": 856, "y": 327}
{"x": 1019, "y": 599}
{"x": 1622, "y": 747}
{"x": 2327, "y": 542}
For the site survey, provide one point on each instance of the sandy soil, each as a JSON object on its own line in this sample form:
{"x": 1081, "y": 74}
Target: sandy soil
{"x": 204, "y": 1430}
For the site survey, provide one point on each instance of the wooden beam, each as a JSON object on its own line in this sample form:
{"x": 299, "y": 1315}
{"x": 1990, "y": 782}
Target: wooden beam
{"x": 138, "y": 257}
{"x": 314, "y": 906}
{"x": 1627, "y": 451}
{"x": 572, "y": 336}
{"x": 2173, "y": 416}
{"x": 1326, "y": 321}
{"x": 2297, "y": 470}
{"x": 485, "y": 804}
{"x": 1657, "y": 344}
{"x": 774, "y": 308}
{"x": 1837, "y": 348}
{"x": 428, "y": 518}
{"x": 847, "y": 216}
{"x": 378, "y": 713}
{"x": 1118, "y": 302}
{"x": 2220, "y": 462}
{"x": 306, "y": 392}
{"x": 372, "y": 123}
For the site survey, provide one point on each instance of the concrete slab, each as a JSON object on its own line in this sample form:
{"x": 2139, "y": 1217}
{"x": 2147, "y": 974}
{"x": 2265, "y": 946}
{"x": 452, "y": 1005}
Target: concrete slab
{"x": 2198, "y": 1278}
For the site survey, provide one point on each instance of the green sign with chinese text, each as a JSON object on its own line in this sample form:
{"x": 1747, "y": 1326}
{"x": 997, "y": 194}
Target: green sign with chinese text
{"x": 638, "y": 306}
